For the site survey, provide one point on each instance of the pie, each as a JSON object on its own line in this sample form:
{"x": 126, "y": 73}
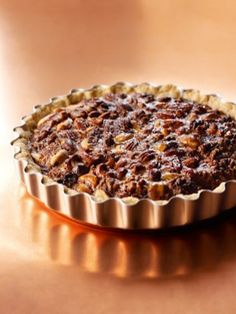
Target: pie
{"x": 136, "y": 144}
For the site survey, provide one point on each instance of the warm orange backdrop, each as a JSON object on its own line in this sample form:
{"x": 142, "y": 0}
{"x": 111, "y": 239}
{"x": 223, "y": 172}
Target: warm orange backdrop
{"x": 48, "y": 265}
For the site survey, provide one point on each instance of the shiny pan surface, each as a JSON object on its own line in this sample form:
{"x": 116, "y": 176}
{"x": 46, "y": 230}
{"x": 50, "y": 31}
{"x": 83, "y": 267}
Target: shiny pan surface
{"x": 115, "y": 212}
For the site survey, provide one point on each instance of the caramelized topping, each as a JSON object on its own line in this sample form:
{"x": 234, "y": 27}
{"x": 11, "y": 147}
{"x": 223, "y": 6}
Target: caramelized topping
{"x": 137, "y": 146}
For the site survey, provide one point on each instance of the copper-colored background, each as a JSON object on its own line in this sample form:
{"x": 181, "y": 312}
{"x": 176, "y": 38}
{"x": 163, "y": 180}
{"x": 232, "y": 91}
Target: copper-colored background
{"x": 49, "y": 265}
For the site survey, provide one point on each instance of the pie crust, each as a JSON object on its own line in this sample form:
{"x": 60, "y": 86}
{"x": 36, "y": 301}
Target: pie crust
{"x": 127, "y": 212}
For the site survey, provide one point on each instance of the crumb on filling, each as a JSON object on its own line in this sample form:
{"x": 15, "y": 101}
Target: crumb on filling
{"x": 136, "y": 145}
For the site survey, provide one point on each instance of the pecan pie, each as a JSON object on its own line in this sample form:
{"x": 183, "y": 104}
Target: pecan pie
{"x": 136, "y": 144}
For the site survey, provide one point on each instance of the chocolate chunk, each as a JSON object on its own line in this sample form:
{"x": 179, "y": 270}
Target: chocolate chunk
{"x": 164, "y": 99}
{"x": 123, "y": 96}
{"x": 126, "y": 107}
{"x": 81, "y": 169}
{"x": 154, "y": 174}
{"x": 121, "y": 172}
{"x": 70, "y": 179}
{"x": 94, "y": 114}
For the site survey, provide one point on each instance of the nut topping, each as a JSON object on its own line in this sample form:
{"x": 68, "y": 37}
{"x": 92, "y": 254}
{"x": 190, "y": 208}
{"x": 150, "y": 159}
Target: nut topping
{"x": 156, "y": 191}
{"x": 190, "y": 141}
{"x": 85, "y": 144}
{"x": 161, "y": 147}
{"x": 45, "y": 119}
{"x": 170, "y": 176}
{"x": 59, "y": 157}
{"x": 65, "y": 124}
{"x": 122, "y": 137}
{"x": 136, "y": 145}
{"x": 89, "y": 179}
{"x": 81, "y": 187}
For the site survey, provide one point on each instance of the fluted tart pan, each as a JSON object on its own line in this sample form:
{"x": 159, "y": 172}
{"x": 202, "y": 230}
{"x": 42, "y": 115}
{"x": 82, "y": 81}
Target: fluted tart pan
{"x": 129, "y": 213}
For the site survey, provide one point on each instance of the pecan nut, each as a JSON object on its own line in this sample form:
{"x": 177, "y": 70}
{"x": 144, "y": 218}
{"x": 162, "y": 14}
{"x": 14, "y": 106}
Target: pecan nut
{"x": 59, "y": 157}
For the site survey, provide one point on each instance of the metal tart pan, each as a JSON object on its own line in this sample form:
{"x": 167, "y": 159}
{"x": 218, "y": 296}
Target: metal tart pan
{"x": 116, "y": 212}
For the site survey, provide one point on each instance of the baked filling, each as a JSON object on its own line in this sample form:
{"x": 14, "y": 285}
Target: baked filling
{"x": 136, "y": 145}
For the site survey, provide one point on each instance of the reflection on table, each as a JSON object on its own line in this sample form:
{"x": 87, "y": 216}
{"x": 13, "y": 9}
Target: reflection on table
{"x": 159, "y": 254}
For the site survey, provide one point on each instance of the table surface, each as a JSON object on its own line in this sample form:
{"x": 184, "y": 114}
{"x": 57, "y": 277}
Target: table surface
{"x": 50, "y": 265}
